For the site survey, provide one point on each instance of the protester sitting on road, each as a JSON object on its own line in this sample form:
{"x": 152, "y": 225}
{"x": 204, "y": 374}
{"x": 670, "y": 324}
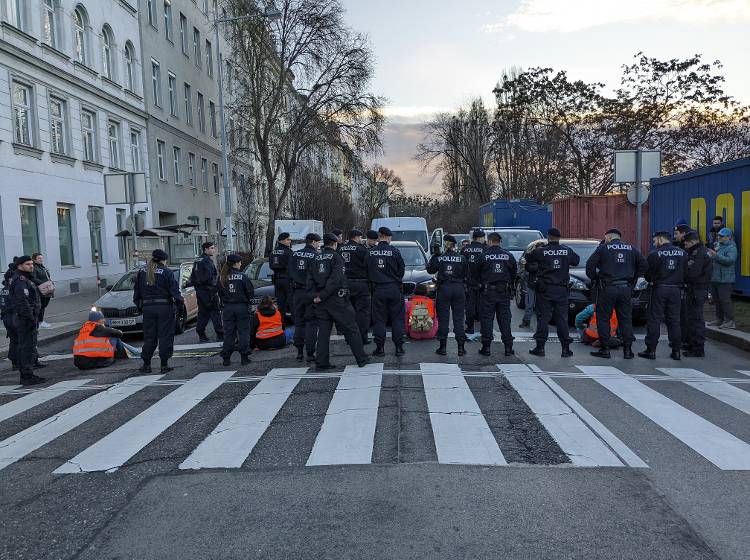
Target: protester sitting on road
{"x": 98, "y": 345}
{"x": 421, "y": 321}
{"x": 722, "y": 280}
{"x": 586, "y": 327}
{"x": 266, "y": 327}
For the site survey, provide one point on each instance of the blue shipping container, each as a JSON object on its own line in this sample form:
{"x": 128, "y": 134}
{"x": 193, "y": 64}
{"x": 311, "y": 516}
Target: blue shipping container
{"x": 516, "y": 213}
{"x": 698, "y": 196}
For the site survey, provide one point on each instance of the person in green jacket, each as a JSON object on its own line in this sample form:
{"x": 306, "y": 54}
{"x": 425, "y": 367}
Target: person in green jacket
{"x": 722, "y": 279}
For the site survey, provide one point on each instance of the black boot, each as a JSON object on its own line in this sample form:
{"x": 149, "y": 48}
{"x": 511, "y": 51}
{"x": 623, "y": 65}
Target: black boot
{"x": 379, "y": 350}
{"x": 509, "y": 350}
{"x": 226, "y": 361}
{"x": 311, "y": 356}
{"x": 485, "y": 349}
{"x": 648, "y": 354}
{"x": 627, "y": 352}
{"x": 245, "y": 359}
{"x": 461, "y": 348}
{"x": 442, "y": 350}
{"x": 145, "y": 368}
{"x": 202, "y": 338}
{"x": 400, "y": 350}
{"x": 366, "y": 360}
{"x": 694, "y": 353}
{"x": 31, "y": 379}
{"x": 603, "y": 352}
{"x": 300, "y": 354}
{"x": 39, "y": 365}
{"x": 539, "y": 350}
{"x": 566, "y": 351}
{"x": 165, "y": 368}
{"x": 675, "y": 354}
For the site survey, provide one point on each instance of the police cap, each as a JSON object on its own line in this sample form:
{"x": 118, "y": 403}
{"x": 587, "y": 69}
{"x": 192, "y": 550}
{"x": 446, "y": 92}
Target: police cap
{"x": 449, "y": 238}
{"x": 372, "y": 234}
{"x": 337, "y": 232}
{"x": 330, "y": 238}
{"x": 233, "y": 258}
{"x": 312, "y": 237}
{"x": 385, "y": 231}
{"x": 613, "y": 231}
{"x": 553, "y": 232}
{"x": 355, "y": 233}
{"x": 682, "y": 228}
{"x": 158, "y": 255}
{"x": 284, "y": 235}
{"x": 662, "y": 233}
{"x": 692, "y": 236}
{"x": 494, "y": 236}
{"x": 477, "y": 234}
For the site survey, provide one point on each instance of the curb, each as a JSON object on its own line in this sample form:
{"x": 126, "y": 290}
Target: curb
{"x": 51, "y": 338}
{"x": 735, "y": 338}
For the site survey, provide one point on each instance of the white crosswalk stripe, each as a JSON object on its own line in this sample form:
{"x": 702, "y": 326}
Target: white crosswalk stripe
{"x": 13, "y": 408}
{"x": 5, "y": 389}
{"x": 720, "y": 390}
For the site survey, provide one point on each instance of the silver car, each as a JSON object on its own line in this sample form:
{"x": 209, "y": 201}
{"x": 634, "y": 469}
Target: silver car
{"x": 120, "y": 312}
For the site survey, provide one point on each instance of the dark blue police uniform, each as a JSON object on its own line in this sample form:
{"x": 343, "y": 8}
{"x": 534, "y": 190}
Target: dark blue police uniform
{"x": 6, "y": 311}
{"x": 451, "y": 268}
{"x": 236, "y": 293}
{"x": 305, "y": 322}
{"x": 699, "y": 271}
{"x": 26, "y": 302}
{"x": 498, "y": 276}
{"x": 279, "y": 263}
{"x": 355, "y": 261}
{"x": 473, "y": 254}
{"x": 204, "y": 278}
{"x": 385, "y": 269}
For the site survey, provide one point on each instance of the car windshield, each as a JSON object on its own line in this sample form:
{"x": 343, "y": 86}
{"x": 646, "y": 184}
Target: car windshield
{"x": 413, "y": 256}
{"x": 127, "y": 282}
{"x": 409, "y": 235}
{"x": 259, "y": 270}
{"x": 518, "y": 240}
{"x": 583, "y": 250}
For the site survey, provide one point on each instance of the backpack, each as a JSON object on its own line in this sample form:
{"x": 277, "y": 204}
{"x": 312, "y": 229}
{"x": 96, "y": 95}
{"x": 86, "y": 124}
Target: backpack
{"x": 420, "y": 319}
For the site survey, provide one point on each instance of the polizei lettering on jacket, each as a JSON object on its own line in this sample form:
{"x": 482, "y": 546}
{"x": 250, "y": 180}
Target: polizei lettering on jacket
{"x": 556, "y": 252}
{"x": 671, "y": 253}
{"x": 381, "y": 253}
{"x": 620, "y": 247}
{"x": 450, "y": 258}
{"x": 496, "y": 257}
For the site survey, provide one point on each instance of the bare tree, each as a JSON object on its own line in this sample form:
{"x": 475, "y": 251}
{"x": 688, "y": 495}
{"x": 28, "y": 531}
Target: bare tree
{"x": 380, "y": 188}
{"x": 321, "y": 198}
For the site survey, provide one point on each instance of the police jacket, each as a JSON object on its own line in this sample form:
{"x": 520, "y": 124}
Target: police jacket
{"x": 204, "y": 275}
{"x": 298, "y": 265}
{"x": 385, "y": 265}
{"x": 551, "y": 263}
{"x": 451, "y": 267}
{"x": 473, "y": 253}
{"x": 236, "y": 289}
{"x": 355, "y": 260}
{"x": 667, "y": 266}
{"x": 164, "y": 289}
{"x": 326, "y": 276}
{"x": 279, "y": 261}
{"x": 6, "y": 307}
{"x": 498, "y": 266}
{"x": 616, "y": 262}
{"x": 25, "y": 297}
{"x": 699, "y": 265}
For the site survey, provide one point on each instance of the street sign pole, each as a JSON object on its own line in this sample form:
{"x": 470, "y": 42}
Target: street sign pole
{"x": 638, "y": 201}
{"x": 98, "y": 277}
{"x": 131, "y": 200}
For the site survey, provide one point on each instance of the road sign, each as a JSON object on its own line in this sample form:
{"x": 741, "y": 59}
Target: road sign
{"x": 95, "y": 215}
{"x": 638, "y": 193}
{"x": 224, "y": 232}
{"x": 125, "y": 188}
{"x": 625, "y": 165}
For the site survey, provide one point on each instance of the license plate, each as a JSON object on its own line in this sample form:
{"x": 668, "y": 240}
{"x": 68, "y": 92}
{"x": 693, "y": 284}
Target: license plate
{"x": 130, "y": 322}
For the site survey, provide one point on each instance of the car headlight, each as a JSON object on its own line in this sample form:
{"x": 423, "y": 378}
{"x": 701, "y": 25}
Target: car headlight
{"x": 641, "y": 284}
{"x": 576, "y": 284}
{"x": 430, "y": 285}
{"x": 96, "y": 309}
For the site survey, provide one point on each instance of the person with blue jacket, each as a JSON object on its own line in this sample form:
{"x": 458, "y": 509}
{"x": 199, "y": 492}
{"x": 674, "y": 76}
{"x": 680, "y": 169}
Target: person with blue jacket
{"x": 722, "y": 280}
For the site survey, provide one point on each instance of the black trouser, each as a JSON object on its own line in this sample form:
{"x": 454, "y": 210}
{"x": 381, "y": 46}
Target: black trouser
{"x": 496, "y": 305}
{"x": 282, "y": 292}
{"x": 158, "y": 328}
{"x": 305, "y": 322}
{"x": 552, "y": 304}
{"x": 359, "y": 295}
{"x": 273, "y": 343}
{"x": 451, "y": 298}
{"x": 337, "y": 309}
{"x": 26, "y": 331}
{"x": 696, "y": 323}
{"x": 473, "y": 310}
{"x": 10, "y": 329}
{"x": 208, "y": 309}
{"x": 236, "y": 317}
{"x": 45, "y": 302}
{"x": 665, "y": 307}
{"x": 388, "y": 303}
{"x": 617, "y": 298}
{"x": 722, "y": 295}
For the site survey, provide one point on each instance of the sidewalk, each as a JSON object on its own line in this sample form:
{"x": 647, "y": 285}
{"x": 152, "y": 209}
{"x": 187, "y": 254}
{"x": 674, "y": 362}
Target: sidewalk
{"x": 65, "y": 314}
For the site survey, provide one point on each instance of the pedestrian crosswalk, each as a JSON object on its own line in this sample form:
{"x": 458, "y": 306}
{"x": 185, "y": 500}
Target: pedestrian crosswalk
{"x": 463, "y": 429}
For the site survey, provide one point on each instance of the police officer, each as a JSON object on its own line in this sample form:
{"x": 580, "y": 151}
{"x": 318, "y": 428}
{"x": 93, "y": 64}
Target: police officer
{"x": 451, "y": 268}
{"x": 372, "y": 238}
{"x": 355, "y": 261}
{"x": 473, "y": 253}
{"x": 699, "y": 269}
{"x": 498, "y": 276}
{"x": 385, "y": 269}
{"x": 339, "y": 235}
{"x": 551, "y": 264}
{"x": 204, "y": 278}
{"x": 667, "y": 270}
{"x": 279, "y": 263}
{"x": 155, "y": 294}
{"x": 681, "y": 230}
{"x": 236, "y": 292}
{"x": 6, "y": 311}
{"x": 327, "y": 285}
{"x": 615, "y": 266}
{"x": 305, "y": 323}
{"x": 27, "y": 304}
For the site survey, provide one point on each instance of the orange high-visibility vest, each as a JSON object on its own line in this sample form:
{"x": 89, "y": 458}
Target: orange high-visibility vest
{"x": 92, "y": 346}
{"x": 593, "y": 332}
{"x": 269, "y": 327}
{"x": 429, "y": 303}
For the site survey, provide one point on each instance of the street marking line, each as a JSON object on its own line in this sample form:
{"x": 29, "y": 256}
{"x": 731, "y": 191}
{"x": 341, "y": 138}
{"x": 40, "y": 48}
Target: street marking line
{"x": 9, "y": 388}
{"x": 232, "y": 441}
{"x": 459, "y": 428}
{"x": 724, "y": 392}
{"x": 347, "y": 435}
{"x": 198, "y": 346}
{"x": 21, "y": 444}
{"x": 719, "y": 447}
{"x": 114, "y": 449}
{"x": 13, "y": 408}
{"x": 744, "y": 372}
{"x": 576, "y": 439}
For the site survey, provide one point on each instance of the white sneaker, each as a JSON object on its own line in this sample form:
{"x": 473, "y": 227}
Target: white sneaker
{"x": 728, "y": 325}
{"x": 45, "y": 325}
{"x": 713, "y": 324}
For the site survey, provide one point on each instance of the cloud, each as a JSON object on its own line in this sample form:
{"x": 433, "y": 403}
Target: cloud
{"x": 567, "y": 16}
{"x": 400, "y": 145}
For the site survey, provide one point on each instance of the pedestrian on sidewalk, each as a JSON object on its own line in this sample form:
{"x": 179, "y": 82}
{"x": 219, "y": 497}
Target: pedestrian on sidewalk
{"x": 41, "y": 277}
{"x": 6, "y": 311}
{"x": 722, "y": 279}
{"x": 26, "y": 302}
{"x": 98, "y": 346}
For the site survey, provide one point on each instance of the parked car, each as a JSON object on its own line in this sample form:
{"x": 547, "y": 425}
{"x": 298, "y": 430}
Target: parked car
{"x": 415, "y": 260}
{"x": 260, "y": 274}
{"x": 580, "y": 284}
{"x": 121, "y": 313}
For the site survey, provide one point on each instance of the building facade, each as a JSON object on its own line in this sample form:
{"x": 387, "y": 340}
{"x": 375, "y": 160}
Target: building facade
{"x": 71, "y": 110}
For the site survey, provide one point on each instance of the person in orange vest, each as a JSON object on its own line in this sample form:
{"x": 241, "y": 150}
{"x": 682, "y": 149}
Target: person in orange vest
{"x": 98, "y": 345}
{"x": 421, "y": 321}
{"x": 267, "y": 327}
{"x": 586, "y": 327}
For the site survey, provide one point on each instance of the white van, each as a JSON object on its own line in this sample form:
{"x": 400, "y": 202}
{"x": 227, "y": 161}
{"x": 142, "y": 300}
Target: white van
{"x": 405, "y": 229}
{"x": 297, "y": 230}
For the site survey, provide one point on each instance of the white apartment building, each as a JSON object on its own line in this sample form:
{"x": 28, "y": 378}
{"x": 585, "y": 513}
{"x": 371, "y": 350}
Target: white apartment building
{"x": 71, "y": 110}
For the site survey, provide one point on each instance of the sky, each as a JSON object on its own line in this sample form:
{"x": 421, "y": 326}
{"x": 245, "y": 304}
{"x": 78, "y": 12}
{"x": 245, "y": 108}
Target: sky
{"x": 433, "y": 55}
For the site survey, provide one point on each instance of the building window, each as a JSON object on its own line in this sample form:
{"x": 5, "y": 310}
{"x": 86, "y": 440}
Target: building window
{"x": 207, "y": 225}
{"x": 65, "y": 233}
{"x": 135, "y": 150}
{"x": 50, "y": 23}
{"x": 22, "y": 114}
{"x": 188, "y": 104}
{"x": 191, "y": 170}
{"x": 215, "y": 174}
{"x": 121, "y": 243}
{"x": 172, "y": 94}
{"x": 197, "y": 46}
{"x": 176, "y": 157}
{"x": 107, "y": 50}
{"x": 57, "y": 125}
{"x": 201, "y": 113}
{"x": 209, "y": 59}
{"x": 130, "y": 70}
{"x": 212, "y": 116}
{"x": 156, "y": 82}
{"x": 204, "y": 173}
{"x": 160, "y": 153}
{"x": 16, "y": 13}
{"x": 95, "y": 236}
{"x": 205, "y": 7}
{"x": 183, "y": 34}
{"x": 168, "y": 19}
{"x": 151, "y": 9}
{"x": 88, "y": 131}
{"x": 30, "y": 227}
{"x": 81, "y": 22}
{"x": 113, "y": 135}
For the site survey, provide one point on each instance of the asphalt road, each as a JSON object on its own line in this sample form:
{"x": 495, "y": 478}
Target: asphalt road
{"x": 419, "y": 457}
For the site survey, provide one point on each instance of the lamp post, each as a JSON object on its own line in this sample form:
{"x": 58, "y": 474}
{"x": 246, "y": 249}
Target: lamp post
{"x": 271, "y": 14}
